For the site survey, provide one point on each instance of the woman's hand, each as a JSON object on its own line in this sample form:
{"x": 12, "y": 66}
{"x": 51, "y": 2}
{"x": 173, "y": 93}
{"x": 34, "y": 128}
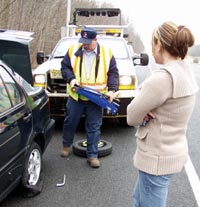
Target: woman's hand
{"x": 147, "y": 118}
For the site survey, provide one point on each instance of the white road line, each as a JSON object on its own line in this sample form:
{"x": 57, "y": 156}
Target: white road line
{"x": 193, "y": 179}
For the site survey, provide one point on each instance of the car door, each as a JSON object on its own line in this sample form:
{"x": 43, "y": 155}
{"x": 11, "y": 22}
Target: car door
{"x": 15, "y": 129}
{"x": 16, "y": 55}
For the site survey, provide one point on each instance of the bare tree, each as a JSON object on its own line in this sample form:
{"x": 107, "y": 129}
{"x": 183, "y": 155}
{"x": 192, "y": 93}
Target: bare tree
{"x": 45, "y": 18}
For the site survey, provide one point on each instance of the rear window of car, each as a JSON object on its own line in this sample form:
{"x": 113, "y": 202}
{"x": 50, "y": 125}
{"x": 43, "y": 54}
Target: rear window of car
{"x": 5, "y": 103}
{"x": 16, "y": 56}
{"x": 9, "y": 93}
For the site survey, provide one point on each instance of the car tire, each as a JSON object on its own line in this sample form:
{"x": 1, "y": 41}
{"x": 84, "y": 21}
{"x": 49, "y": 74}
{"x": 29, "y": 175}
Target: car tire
{"x": 104, "y": 148}
{"x": 31, "y": 181}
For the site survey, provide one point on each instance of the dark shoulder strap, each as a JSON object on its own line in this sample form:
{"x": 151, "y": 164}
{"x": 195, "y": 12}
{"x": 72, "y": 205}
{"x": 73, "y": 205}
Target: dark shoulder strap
{"x": 97, "y": 61}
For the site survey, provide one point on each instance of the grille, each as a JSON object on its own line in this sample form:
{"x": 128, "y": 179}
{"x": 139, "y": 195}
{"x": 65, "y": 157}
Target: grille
{"x": 56, "y": 85}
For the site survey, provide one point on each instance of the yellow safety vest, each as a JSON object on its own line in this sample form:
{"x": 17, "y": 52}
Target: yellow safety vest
{"x": 98, "y": 82}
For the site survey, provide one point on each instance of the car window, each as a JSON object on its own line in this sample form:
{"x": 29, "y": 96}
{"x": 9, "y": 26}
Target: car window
{"x": 14, "y": 93}
{"x": 9, "y": 92}
{"x": 16, "y": 55}
{"x": 5, "y": 103}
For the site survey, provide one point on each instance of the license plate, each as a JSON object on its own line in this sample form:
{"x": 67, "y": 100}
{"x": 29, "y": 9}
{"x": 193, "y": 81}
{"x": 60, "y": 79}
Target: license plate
{"x": 55, "y": 74}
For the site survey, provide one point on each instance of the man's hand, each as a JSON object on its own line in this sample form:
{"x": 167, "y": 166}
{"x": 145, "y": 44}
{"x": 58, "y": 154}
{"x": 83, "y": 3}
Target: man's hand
{"x": 111, "y": 95}
{"x": 73, "y": 82}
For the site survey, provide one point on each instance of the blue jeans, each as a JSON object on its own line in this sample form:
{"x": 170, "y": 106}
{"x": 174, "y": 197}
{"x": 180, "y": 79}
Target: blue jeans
{"x": 93, "y": 114}
{"x": 151, "y": 190}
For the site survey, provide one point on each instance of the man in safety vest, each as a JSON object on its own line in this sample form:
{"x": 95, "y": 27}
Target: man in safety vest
{"x": 89, "y": 65}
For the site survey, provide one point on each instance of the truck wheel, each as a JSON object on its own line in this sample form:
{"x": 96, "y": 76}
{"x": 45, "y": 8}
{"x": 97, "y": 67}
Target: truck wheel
{"x": 104, "y": 148}
{"x": 31, "y": 181}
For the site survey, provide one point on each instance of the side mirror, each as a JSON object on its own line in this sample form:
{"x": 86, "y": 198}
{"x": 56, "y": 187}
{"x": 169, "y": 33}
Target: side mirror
{"x": 40, "y": 57}
{"x": 143, "y": 59}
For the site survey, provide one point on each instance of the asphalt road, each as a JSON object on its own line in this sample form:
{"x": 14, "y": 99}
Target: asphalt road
{"x": 112, "y": 184}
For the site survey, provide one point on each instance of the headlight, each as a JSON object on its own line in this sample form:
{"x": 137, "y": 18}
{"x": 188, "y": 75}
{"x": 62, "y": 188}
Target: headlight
{"x": 127, "y": 82}
{"x": 39, "y": 79}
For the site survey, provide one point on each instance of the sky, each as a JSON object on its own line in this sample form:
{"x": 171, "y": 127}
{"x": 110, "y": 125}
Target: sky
{"x": 148, "y": 14}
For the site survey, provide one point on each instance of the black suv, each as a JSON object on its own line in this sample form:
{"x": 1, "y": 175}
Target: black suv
{"x": 25, "y": 131}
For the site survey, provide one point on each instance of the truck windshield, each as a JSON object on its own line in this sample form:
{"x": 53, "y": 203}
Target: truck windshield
{"x": 117, "y": 45}
{"x": 62, "y": 47}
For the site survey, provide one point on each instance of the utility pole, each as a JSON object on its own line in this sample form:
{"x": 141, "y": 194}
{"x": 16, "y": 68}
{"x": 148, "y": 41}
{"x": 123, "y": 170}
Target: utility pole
{"x": 68, "y": 16}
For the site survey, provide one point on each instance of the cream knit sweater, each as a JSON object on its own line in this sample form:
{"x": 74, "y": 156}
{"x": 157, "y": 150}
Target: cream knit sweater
{"x": 170, "y": 94}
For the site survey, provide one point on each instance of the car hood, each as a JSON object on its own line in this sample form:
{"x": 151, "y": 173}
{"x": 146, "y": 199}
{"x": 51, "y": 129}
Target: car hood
{"x": 48, "y": 65}
{"x": 125, "y": 66}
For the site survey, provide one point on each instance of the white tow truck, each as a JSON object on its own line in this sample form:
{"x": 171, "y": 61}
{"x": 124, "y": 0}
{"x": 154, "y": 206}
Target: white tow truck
{"x": 48, "y": 73}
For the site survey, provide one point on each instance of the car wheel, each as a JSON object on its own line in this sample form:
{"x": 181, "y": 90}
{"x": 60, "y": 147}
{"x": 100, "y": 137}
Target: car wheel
{"x": 31, "y": 182}
{"x": 104, "y": 148}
